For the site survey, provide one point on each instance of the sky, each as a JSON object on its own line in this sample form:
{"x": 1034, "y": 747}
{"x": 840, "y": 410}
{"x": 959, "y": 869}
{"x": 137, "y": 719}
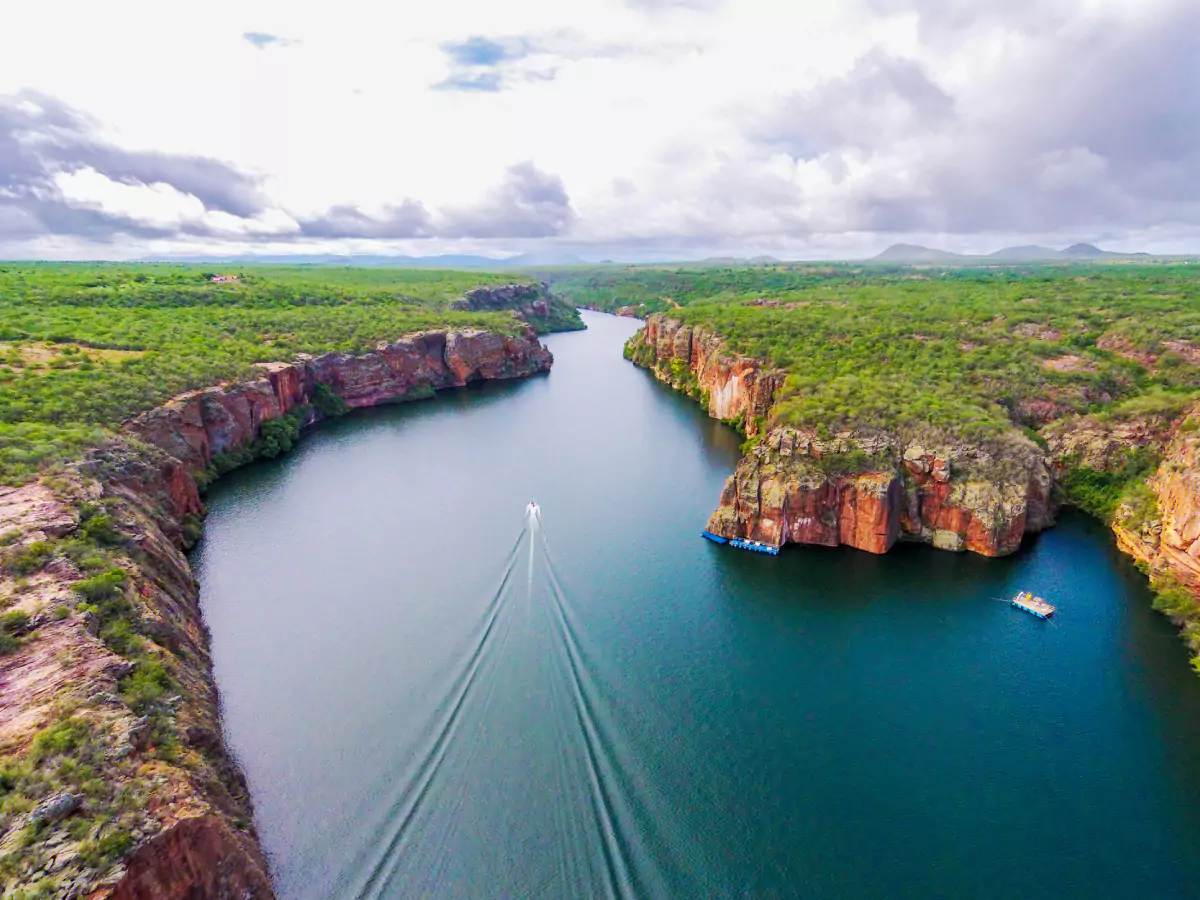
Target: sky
{"x": 605, "y": 129}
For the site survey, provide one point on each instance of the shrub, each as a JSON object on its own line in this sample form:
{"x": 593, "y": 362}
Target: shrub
{"x": 98, "y": 528}
{"x": 108, "y": 849}
{"x": 119, "y": 636}
{"x": 104, "y": 586}
{"x": 192, "y": 529}
{"x": 62, "y": 737}
{"x": 30, "y": 559}
{"x": 330, "y": 404}
{"x": 147, "y": 684}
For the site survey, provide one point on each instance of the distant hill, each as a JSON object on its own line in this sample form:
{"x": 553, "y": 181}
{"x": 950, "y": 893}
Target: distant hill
{"x": 446, "y": 261}
{"x": 1088, "y": 251}
{"x": 912, "y": 253}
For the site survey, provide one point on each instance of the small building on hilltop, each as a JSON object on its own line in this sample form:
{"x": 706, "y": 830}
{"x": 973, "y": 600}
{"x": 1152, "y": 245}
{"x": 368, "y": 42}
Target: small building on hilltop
{"x": 223, "y": 279}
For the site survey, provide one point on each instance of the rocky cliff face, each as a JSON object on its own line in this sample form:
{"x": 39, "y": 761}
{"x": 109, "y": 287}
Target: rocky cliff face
{"x": 792, "y": 489}
{"x": 194, "y": 427}
{"x": 733, "y": 388}
{"x": 789, "y": 489}
{"x": 1168, "y": 539}
{"x": 532, "y": 302}
{"x": 163, "y": 811}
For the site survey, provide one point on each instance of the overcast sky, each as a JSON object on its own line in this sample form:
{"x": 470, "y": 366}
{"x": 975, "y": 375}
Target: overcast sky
{"x": 626, "y": 129}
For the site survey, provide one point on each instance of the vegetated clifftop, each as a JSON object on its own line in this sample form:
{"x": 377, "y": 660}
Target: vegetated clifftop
{"x": 532, "y": 302}
{"x": 115, "y": 779}
{"x": 864, "y": 490}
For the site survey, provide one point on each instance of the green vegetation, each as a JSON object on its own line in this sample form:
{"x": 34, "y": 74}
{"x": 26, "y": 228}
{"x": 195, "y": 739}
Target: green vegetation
{"x": 977, "y": 354}
{"x": 1100, "y": 493}
{"x": 84, "y": 346}
{"x": 1181, "y": 606}
{"x": 643, "y": 290}
{"x": 63, "y": 762}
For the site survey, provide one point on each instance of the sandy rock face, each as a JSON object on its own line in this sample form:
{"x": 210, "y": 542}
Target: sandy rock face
{"x": 530, "y": 301}
{"x": 1173, "y": 542}
{"x": 1104, "y": 446}
{"x": 200, "y": 857}
{"x": 780, "y": 494}
{"x": 738, "y": 388}
{"x": 195, "y": 426}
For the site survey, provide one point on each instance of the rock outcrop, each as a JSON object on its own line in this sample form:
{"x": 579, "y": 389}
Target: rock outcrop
{"x": 534, "y": 303}
{"x": 164, "y": 811}
{"x": 791, "y": 489}
{"x": 794, "y": 487}
{"x": 1168, "y": 541}
{"x": 196, "y": 426}
{"x": 733, "y": 388}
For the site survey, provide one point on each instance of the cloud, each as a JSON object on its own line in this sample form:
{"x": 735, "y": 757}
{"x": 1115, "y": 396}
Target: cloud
{"x": 469, "y": 81}
{"x": 409, "y": 219}
{"x": 882, "y": 99}
{"x": 1083, "y": 128}
{"x": 661, "y": 5}
{"x": 262, "y": 40}
{"x": 528, "y": 204}
{"x": 43, "y": 142}
{"x": 492, "y": 64}
{"x": 58, "y": 178}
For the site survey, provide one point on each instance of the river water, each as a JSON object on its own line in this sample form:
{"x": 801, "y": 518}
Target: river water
{"x": 427, "y": 704}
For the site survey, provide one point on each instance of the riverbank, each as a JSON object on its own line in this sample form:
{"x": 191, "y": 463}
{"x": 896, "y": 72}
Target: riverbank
{"x": 117, "y": 780}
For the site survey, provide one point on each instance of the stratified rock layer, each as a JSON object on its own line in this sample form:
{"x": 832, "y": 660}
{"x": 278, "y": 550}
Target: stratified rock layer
{"x": 789, "y": 489}
{"x": 783, "y": 492}
{"x": 733, "y": 387}
{"x": 194, "y": 838}
{"x": 195, "y": 426}
{"x": 1170, "y": 542}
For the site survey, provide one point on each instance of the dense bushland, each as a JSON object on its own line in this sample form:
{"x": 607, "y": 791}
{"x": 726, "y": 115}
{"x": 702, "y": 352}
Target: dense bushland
{"x": 83, "y": 347}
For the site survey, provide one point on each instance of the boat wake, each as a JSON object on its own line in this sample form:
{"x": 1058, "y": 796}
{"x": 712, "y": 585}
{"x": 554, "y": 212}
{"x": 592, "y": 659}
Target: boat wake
{"x": 528, "y": 731}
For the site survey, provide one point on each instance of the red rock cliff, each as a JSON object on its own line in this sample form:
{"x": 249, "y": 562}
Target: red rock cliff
{"x": 192, "y": 834}
{"x": 785, "y": 491}
{"x": 788, "y": 488}
{"x": 1168, "y": 539}
{"x": 733, "y": 387}
{"x": 194, "y": 426}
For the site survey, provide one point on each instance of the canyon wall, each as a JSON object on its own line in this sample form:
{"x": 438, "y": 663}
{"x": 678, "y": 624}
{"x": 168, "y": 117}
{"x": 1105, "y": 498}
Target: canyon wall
{"x": 177, "y": 819}
{"x": 794, "y": 487}
{"x": 534, "y": 303}
{"x": 1167, "y": 540}
{"x": 733, "y": 388}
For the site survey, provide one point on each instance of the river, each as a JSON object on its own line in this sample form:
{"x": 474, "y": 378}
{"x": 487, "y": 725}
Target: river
{"x": 426, "y": 708}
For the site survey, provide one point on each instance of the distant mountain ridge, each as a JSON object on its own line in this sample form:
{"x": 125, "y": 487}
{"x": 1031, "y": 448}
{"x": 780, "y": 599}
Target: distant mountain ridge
{"x": 913, "y": 253}
{"x": 445, "y": 261}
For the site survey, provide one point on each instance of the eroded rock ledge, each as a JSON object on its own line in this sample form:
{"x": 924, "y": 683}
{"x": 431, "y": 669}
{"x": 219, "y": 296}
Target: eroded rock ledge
{"x": 793, "y": 486}
{"x": 164, "y": 812}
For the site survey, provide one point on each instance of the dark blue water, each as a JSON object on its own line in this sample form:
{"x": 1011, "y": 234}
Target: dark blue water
{"x": 426, "y": 709}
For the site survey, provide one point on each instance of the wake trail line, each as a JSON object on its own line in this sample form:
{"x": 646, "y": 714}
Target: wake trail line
{"x": 404, "y": 807}
{"x": 601, "y": 771}
{"x": 649, "y": 805}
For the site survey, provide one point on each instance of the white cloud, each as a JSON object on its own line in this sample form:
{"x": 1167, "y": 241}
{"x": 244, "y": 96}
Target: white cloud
{"x": 651, "y": 124}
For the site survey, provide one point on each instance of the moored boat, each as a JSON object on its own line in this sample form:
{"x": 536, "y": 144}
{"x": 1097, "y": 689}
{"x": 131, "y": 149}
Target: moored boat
{"x": 1031, "y": 604}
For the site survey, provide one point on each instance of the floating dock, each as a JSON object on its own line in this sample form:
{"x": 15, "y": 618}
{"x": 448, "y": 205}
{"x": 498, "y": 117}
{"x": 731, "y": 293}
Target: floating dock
{"x": 756, "y": 546}
{"x": 1031, "y": 604}
{"x": 742, "y": 543}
